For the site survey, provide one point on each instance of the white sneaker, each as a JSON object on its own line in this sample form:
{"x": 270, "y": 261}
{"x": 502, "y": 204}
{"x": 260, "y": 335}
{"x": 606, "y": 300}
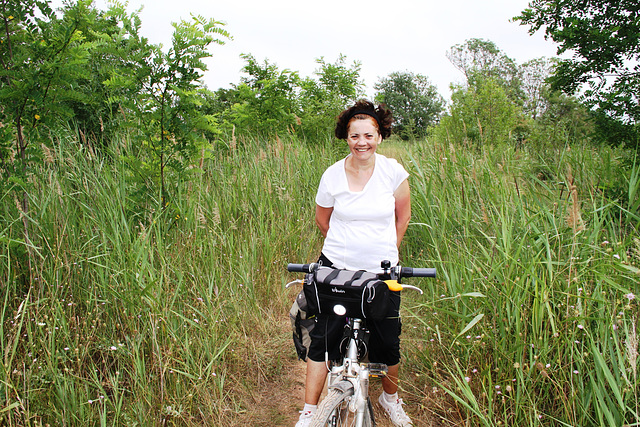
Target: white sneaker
{"x": 396, "y": 413}
{"x": 305, "y": 419}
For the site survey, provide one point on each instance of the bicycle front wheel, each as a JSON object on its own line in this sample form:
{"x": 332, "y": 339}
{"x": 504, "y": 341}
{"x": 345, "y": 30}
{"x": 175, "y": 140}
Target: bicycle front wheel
{"x": 334, "y": 411}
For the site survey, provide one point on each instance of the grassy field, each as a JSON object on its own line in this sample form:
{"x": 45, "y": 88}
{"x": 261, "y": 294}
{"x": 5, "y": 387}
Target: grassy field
{"x": 131, "y": 314}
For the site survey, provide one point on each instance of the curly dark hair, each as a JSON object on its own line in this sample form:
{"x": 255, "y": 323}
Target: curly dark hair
{"x": 362, "y": 110}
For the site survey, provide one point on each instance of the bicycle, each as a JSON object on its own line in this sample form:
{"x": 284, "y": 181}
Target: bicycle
{"x": 347, "y": 402}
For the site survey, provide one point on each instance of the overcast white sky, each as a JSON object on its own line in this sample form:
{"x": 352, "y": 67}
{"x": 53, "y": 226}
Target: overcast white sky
{"x": 385, "y": 36}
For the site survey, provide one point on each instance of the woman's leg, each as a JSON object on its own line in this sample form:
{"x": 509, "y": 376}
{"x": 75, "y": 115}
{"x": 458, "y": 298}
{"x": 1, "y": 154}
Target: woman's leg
{"x": 390, "y": 381}
{"x": 314, "y": 384}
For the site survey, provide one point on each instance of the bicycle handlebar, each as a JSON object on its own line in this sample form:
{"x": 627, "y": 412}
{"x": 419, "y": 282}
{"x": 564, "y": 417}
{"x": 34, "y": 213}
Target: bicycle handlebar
{"x": 417, "y": 272}
{"x": 399, "y": 271}
{"x": 303, "y": 268}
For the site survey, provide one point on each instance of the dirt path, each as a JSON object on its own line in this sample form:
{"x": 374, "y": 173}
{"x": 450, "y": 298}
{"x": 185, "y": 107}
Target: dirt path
{"x": 277, "y": 402}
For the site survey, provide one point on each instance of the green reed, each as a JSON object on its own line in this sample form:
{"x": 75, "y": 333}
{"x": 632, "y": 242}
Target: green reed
{"x": 540, "y": 276}
{"x": 142, "y": 314}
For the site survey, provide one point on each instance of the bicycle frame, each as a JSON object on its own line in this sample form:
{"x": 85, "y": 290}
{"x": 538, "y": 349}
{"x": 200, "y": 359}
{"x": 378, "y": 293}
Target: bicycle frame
{"x": 355, "y": 373}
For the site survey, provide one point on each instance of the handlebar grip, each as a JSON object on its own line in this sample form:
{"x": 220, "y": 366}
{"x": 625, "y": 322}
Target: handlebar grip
{"x": 418, "y": 272}
{"x": 302, "y": 268}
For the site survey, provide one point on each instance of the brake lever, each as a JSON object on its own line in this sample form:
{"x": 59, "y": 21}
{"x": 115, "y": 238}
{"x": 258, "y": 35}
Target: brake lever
{"x": 295, "y": 282}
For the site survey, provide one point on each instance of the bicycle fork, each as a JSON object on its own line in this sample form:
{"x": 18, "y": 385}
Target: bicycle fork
{"x": 359, "y": 402}
{"x": 351, "y": 371}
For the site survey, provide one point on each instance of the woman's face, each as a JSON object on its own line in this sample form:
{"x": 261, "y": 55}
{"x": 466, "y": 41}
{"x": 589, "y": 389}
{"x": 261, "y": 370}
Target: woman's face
{"x": 363, "y": 138}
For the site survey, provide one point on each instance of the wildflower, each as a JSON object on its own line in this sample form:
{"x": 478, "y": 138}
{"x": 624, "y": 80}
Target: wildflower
{"x": 467, "y": 379}
{"x": 630, "y": 296}
{"x": 580, "y": 327}
{"x": 113, "y": 348}
{"x": 616, "y": 256}
{"x": 576, "y": 372}
{"x": 516, "y": 365}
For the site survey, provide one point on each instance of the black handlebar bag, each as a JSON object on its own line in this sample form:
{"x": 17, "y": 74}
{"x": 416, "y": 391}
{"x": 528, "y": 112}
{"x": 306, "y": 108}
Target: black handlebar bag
{"x": 362, "y": 293}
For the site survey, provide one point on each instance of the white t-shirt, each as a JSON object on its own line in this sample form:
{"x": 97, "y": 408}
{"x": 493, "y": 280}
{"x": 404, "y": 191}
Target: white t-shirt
{"x": 362, "y": 227}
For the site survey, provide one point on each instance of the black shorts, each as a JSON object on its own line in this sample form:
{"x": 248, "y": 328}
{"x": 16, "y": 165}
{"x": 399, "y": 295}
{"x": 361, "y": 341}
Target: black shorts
{"x": 384, "y": 334}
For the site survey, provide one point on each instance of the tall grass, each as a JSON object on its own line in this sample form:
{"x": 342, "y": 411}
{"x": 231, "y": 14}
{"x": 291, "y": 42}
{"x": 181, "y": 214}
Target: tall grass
{"x": 139, "y": 315}
{"x": 538, "y": 292}
{"x": 142, "y": 315}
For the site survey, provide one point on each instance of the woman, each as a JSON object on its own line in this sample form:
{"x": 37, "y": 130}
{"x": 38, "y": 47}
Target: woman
{"x": 363, "y": 208}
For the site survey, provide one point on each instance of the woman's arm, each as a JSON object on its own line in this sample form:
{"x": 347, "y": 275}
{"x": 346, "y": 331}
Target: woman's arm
{"x": 323, "y": 215}
{"x": 403, "y": 209}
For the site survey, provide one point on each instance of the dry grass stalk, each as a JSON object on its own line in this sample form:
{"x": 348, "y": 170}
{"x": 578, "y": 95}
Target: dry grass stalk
{"x": 485, "y": 217}
{"x": 48, "y": 154}
{"x": 234, "y": 143}
{"x": 574, "y": 216}
{"x": 202, "y": 219}
{"x": 632, "y": 349}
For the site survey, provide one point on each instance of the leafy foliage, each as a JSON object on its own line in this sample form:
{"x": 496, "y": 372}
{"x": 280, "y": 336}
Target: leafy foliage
{"x": 533, "y": 77}
{"x": 480, "y": 59}
{"x": 603, "y": 36}
{"x": 480, "y": 114}
{"x": 265, "y": 100}
{"x": 168, "y": 109}
{"x": 41, "y": 59}
{"x": 415, "y": 102}
{"x": 323, "y": 98}
{"x": 272, "y": 101}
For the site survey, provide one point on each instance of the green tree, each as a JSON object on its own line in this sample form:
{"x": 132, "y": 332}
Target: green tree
{"x": 169, "y": 109}
{"x": 269, "y": 100}
{"x": 415, "y": 102}
{"x": 534, "y": 75}
{"x": 41, "y": 58}
{"x": 265, "y": 101}
{"x": 480, "y": 114}
{"x": 563, "y": 121}
{"x": 323, "y": 98}
{"x": 112, "y": 76}
{"x": 480, "y": 59}
{"x": 603, "y": 37}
